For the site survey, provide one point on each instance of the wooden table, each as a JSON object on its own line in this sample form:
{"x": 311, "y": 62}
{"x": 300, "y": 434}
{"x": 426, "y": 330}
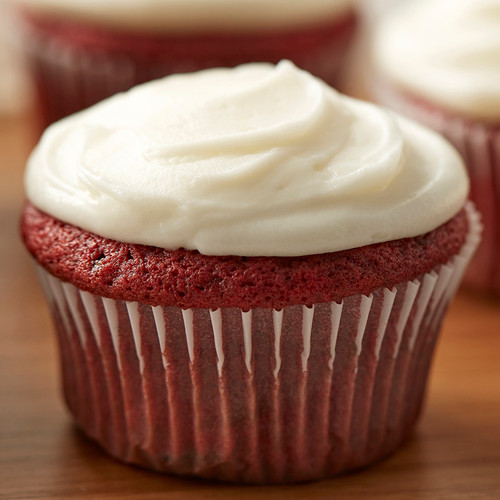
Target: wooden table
{"x": 454, "y": 454}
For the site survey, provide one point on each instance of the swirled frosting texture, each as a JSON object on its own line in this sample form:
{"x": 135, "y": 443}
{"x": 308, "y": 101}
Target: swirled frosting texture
{"x": 195, "y": 15}
{"x": 258, "y": 160}
{"x": 447, "y": 51}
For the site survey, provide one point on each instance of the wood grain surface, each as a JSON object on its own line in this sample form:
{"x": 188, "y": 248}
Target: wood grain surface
{"x": 454, "y": 453}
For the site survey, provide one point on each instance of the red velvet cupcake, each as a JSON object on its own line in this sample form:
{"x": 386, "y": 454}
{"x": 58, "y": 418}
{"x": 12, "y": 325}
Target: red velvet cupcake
{"x": 248, "y": 277}
{"x": 82, "y": 52}
{"x": 445, "y": 75}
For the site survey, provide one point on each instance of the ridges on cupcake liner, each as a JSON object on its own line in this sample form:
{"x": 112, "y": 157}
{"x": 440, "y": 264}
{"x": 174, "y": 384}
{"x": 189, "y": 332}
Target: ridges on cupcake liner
{"x": 254, "y": 396}
{"x": 479, "y": 145}
{"x": 72, "y": 76}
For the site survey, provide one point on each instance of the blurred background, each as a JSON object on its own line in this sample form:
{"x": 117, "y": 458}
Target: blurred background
{"x": 15, "y": 91}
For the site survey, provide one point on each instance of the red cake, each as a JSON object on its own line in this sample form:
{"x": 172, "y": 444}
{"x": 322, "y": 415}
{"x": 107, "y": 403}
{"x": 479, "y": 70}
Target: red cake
{"x": 76, "y": 63}
{"x": 186, "y": 278}
{"x": 247, "y": 272}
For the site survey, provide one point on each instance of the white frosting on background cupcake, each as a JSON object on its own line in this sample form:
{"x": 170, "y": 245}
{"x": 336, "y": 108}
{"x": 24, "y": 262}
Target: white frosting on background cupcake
{"x": 447, "y": 51}
{"x": 196, "y": 15}
{"x": 257, "y": 160}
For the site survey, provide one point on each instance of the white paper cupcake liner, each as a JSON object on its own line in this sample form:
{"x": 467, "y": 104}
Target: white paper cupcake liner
{"x": 253, "y": 396}
{"x": 70, "y": 78}
{"x": 479, "y": 145}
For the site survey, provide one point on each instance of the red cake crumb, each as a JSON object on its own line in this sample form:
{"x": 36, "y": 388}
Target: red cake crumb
{"x": 187, "y": 279}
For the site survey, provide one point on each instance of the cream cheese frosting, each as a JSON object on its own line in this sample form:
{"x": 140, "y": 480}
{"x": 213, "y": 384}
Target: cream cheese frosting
{"x": 447, "y": 51}
{"x": 195, "y": 15}
{"x": 259, "y": 160}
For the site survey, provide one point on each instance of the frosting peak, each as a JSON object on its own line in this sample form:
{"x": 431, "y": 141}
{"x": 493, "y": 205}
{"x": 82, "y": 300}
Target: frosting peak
{"x": 256, "y": 160}
{"x": 447, "y": 51}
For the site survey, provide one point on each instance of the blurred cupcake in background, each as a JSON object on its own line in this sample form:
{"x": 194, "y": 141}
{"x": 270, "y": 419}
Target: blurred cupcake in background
{"x": 247, "y": 271}
{"x": 438, "y": 61}
{"x": 82, "y": 51}
{"x": 356, "y": 79}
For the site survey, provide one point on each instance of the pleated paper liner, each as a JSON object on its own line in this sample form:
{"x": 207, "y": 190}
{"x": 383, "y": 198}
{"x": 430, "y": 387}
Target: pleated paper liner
{"x": 258, "y": 396}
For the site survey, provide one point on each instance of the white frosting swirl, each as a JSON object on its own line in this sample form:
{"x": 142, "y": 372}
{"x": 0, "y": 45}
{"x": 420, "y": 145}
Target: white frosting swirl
{"x": 256, "y": 160}
{"x": 195, "y": 15}
{"x": 447, "y": 51}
